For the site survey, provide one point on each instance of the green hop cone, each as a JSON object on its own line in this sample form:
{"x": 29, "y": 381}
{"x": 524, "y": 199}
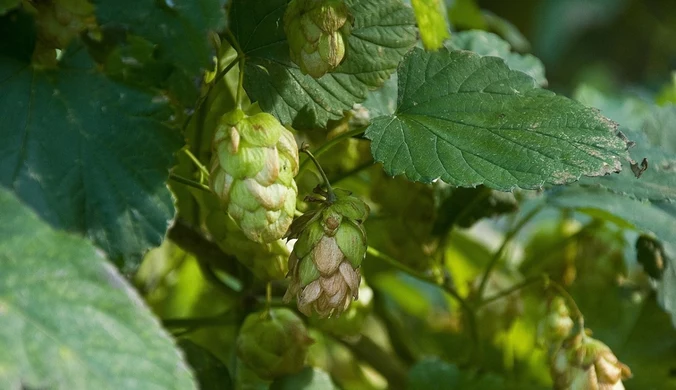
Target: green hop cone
{"x": 584, "y": 363}
{"x": 274, "y": 343}
{"x": 317, "y": 31}
{"x": 556, "y": 325}
{"x": 266, "y": 261}
{"x": 252, "y": 169}
{"x": 324, "y": 264}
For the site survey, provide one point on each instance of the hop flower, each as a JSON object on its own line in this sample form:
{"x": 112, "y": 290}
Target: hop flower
{"x": 556, "y": 325}
{"x": 274, "y": 343}
{"x": 254, "y": 162}
{"x": 584, "y": 363}
{"x": 266, "y": 261}
{"x": 316, "y": 31}
{"x": 324, "y": 263}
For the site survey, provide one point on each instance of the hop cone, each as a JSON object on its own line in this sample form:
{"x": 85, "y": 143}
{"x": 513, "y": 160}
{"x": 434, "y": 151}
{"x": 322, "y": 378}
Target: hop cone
{"x": 584, "y": 363}
{"x": 266, "y": 261}
{"x": 316, "y": 31}
{"x": 324, "y": 263}
{"x": 274, "y": 343}
{"x": 255, "y": 159}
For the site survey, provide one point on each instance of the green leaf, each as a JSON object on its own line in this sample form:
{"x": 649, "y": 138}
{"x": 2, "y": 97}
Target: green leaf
{"x": 69, "y": 320}
{"x": 211, "y": 373}
{"x": 308, "y": 379}
{"x": 431, "y": 22}
{"x": 89, "y": 155}
{"x": 385, "y": 27}
{"x": 489, "y": 44}
{"x": 658, "y": 182}
{"x": 180, "y": 28}
{"x": 465, "y": 14}
{"x": 470, "y": 120}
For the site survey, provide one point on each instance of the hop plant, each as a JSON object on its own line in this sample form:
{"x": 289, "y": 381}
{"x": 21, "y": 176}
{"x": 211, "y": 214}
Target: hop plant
{"x": 273, "y": 343}
{"x": 556, "y": 325}
{"x": 316, "y": 31}
{"x": 585, "y": 363}
{"x": 254, "y": 162}
{"x": 324, "y": 264}
{"x": 266, "y": 261}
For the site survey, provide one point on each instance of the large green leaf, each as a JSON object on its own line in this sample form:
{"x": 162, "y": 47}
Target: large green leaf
{"x": 68, "y": 320}
{"x": 383, "y": 31}
{"x": 180, "y": 27}
{"x": 89, "y": 155}
{"x": 489, "y": 44}
{"x": 470, "y": 120}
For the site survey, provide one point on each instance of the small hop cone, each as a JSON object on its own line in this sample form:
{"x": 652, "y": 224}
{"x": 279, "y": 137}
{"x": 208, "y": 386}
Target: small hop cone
{"x": 584, "y": 363}
{"x": 254, "y": 162}
{"x": 316, "y": 31}
{"x": 556, "y": 325}
{"x": 324, "y": 264}
{"x": 274, "y": 343}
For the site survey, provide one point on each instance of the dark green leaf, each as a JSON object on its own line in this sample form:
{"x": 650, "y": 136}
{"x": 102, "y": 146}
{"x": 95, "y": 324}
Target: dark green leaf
{"x": 489, "y": 44}
{"x": 211, "y": 373}
{"x": 470, "y": 120}
{"x": 8, "y": 5}
{"x": 383, "y": 31}
{"x": 308, "y": 379}
{"x": 465, "y": 206}
{"x": 69, "y": 320}
{"x": 180, "y": 28}
{"x": 87, "y": 154}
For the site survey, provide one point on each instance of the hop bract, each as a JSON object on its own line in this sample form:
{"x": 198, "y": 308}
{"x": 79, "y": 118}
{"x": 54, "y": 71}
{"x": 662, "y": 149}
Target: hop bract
{"x": 254, "y": 162}
{"x": 274, "y": 343}
{"x": 584, "y": 363}
{"x": 316, "y": 31}
{"x": 324, "y": 263}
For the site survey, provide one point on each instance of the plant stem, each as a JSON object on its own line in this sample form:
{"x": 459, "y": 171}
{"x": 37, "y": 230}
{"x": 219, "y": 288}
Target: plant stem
{"x": 530, "y": 281}
{"x": 569, "y": 301}
{"x": 469, "y": 311}
{"x": 498, "y": 254}
{"x": 227, "y": 69}
{"x": 353, "y": 171}
{"x": 197, "y": 162}
{"x": 188, "y": 182}
{"x": 389, "y": 366}
{"x": 195, "y": 322}
{"x": 331, "y": 196}
{"x": 240, "y": 84}
{"x": 329, "y": 144}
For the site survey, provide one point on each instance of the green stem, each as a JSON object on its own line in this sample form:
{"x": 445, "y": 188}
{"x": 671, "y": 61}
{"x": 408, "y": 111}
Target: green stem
{"x": 329, "y": 144}
{"x": 498, "y": 254}
{"x": 469, "y": 311}
{"x": 188, "y": 182}
{"x": 528, "y": 282}
{"x": 240, "y": 83}
{"x": 331, "y": 197}
{"x": 196, "y": 322}
{"x": 353, "y": 171}
{"x": 197, "y": 162}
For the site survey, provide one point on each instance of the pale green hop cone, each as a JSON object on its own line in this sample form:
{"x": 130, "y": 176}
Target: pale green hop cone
{"x": 274, "y": 343}
{"x": 324, "y": 264}
{"x": 317, "y": 31}
{"x": 584, "y": 363}
{"x": 254, "y": 162}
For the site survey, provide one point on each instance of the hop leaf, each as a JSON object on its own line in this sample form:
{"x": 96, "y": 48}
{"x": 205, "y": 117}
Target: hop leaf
{"x": 252, "y": 171}
{"x": 316, "y": 32}
{"x": 274, "y": 343}
{"x": 324, "y": 264}
{"x": 586, "y": 363}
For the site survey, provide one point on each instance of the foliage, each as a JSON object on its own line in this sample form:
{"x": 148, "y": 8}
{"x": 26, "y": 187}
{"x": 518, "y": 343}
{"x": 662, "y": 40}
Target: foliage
{"x": 358, "y": 194}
